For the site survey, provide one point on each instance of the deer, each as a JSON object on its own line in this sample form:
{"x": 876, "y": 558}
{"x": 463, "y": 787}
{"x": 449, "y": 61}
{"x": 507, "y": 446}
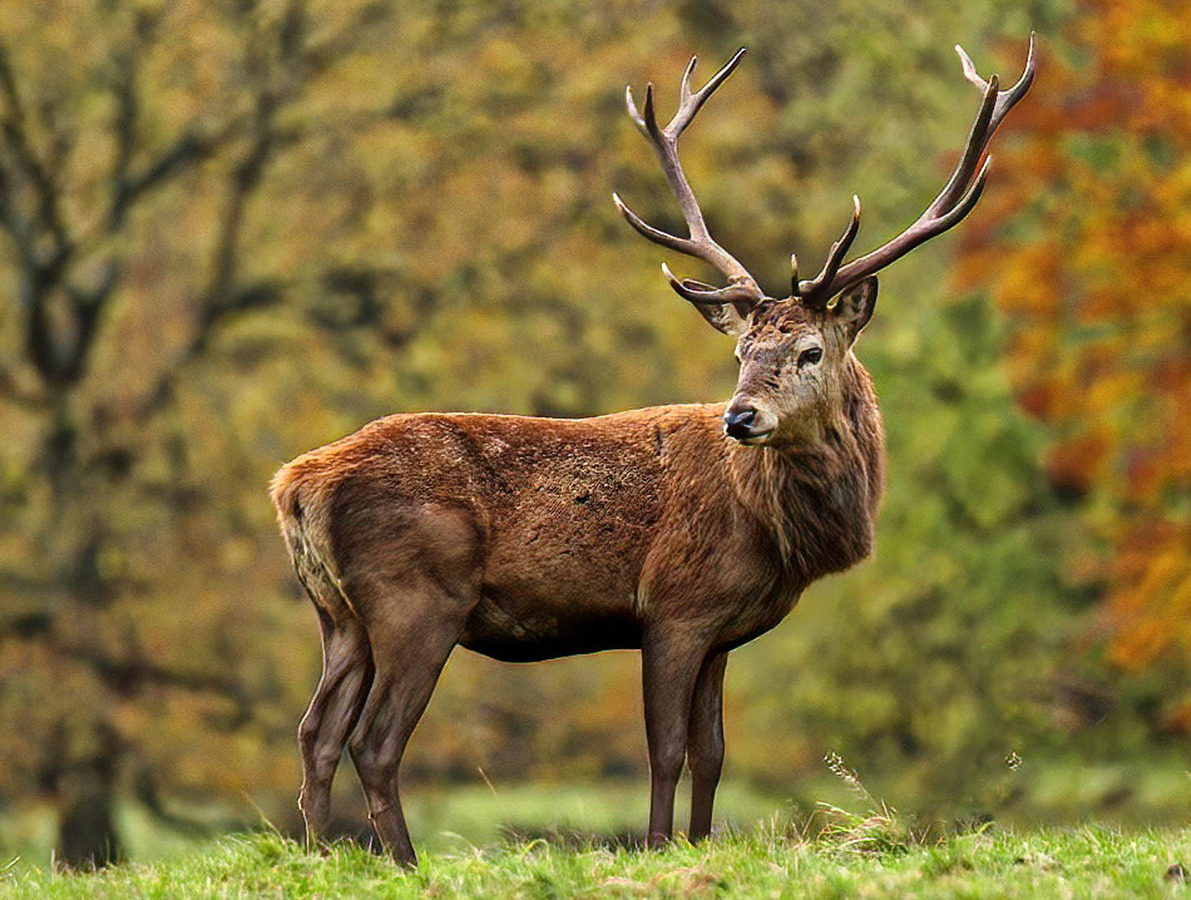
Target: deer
{"x": 680, "y": 531}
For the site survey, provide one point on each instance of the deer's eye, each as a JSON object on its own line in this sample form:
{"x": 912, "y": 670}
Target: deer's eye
{"x": 810, "y": 356}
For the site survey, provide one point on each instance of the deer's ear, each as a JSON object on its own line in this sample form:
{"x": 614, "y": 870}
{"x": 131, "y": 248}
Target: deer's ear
{"x": 728, "y": 316}
{"x": 854, "y": 307}
{"x": 723, "y": 317}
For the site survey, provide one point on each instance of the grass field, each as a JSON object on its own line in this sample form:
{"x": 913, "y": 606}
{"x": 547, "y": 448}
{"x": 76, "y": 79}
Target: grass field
{"x": 854, "y": 858}
{"x": 536, "y": 841}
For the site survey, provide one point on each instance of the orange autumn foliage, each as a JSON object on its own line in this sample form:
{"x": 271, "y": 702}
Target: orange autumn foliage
{"x": 1086, "y": 245}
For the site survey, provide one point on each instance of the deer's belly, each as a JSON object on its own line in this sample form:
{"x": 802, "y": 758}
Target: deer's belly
{"x": 531, "y": 622}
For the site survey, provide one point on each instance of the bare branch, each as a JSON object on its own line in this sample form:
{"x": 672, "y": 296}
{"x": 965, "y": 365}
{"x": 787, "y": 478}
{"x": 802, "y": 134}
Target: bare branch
{"x": 18, "y": 228}
{"x": 317, "y": 57}
{"x": 14, "y": 128}
{"x": 132, "y": 674}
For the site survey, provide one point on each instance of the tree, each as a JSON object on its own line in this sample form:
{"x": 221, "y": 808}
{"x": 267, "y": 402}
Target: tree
{"x": 1088, "y": 250}
{"x": 142, "y": 151}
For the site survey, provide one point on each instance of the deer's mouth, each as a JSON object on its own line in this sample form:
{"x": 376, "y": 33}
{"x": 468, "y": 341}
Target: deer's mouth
{"x": 756, "y": 438}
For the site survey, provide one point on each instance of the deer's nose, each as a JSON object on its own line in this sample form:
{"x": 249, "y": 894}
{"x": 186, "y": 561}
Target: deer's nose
{"x": 739, "y": 420}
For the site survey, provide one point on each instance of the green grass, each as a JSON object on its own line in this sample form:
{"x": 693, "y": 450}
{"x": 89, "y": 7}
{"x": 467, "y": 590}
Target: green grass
{"x": 763, "y": 862}
{"x": 476, "y": 842}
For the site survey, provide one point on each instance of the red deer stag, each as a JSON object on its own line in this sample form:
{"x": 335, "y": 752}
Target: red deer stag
{"x": 683, "y": 531}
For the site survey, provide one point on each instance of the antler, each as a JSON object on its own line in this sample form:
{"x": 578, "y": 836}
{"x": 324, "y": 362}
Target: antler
{"x": 742, "y": 289}
{"x": 954, "y": 202}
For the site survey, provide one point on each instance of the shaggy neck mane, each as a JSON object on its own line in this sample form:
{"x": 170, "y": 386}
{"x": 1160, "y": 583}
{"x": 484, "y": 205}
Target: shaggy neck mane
{"x": 818, "y": 501}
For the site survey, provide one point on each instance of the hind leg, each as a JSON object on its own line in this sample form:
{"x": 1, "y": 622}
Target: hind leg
{"x": 410, "y": 646}
{"x": 331, "y": 716}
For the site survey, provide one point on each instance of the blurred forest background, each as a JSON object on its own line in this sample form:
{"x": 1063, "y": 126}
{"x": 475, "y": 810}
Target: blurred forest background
{"x": 231, "y": 231}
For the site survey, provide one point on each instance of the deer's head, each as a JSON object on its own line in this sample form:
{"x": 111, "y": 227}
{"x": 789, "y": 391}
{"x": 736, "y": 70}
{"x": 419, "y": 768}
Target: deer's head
{"x": 793, "y": 352}
{"x": 791, "y": 366}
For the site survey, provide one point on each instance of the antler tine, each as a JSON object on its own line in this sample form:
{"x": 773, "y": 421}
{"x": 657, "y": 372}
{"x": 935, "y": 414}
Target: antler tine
{"x": 684, "y": 87}
{"x": 978, "y": 139}
{"x": 743, "y": 289}
{"x": 1008, "y": 98}
{"x": 703, "y": 294}
{"x": 673, "y": 241}
{"x": 813, "y": 289}
{"x": 631, "y": 104}
{"x": 958, "y": 197}
{"x": 689, "y": 104}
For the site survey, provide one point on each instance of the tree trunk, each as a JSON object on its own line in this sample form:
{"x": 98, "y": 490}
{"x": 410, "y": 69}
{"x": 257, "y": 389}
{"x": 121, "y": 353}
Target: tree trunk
{"x": 87, "y": 836}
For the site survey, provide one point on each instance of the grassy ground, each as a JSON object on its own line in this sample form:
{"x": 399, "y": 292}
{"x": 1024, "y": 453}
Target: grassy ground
{"x": 854, "y": 859}
{"x": 535, "y": 841}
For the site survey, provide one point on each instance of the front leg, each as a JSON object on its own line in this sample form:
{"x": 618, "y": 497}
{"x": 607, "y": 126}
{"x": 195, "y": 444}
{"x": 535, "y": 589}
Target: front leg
{"x": 705, "y": 750}
{"x": 670, "y": 664}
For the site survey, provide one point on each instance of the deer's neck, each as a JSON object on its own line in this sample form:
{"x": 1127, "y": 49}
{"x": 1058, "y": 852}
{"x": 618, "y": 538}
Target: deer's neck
{"x": 817, "y": 501}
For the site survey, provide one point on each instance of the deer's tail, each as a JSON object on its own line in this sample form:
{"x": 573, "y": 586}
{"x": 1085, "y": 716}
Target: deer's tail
{"x": 302, "y": 499}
